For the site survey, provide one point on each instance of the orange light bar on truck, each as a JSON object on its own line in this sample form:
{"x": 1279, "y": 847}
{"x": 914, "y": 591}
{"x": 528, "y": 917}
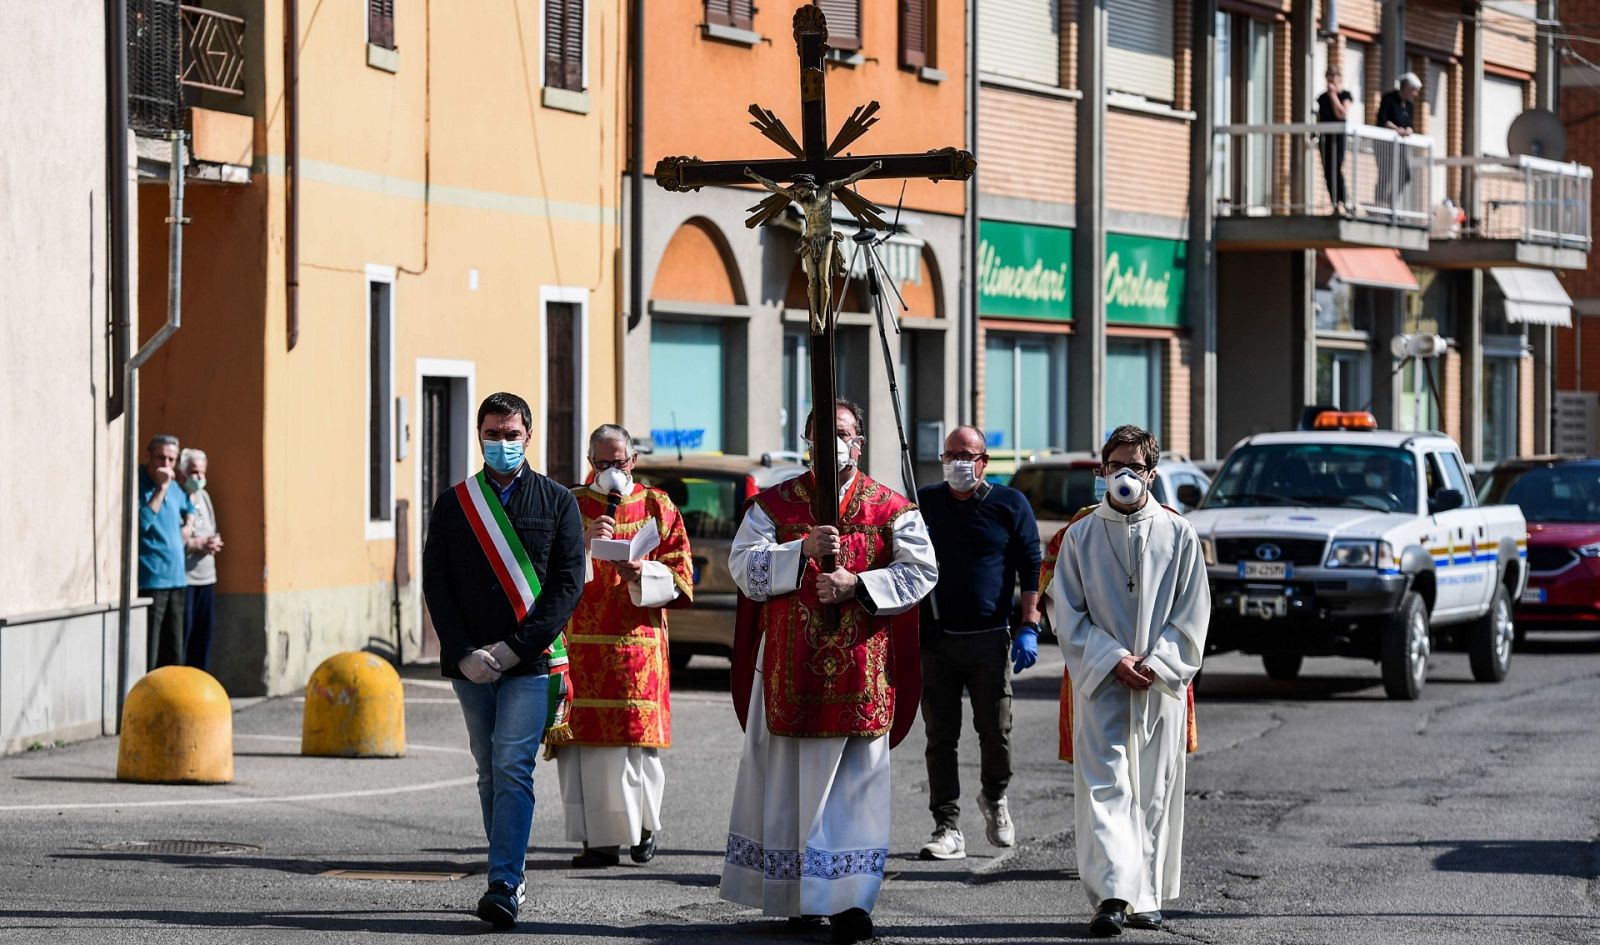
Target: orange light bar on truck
{"x": 1345, "y": 420}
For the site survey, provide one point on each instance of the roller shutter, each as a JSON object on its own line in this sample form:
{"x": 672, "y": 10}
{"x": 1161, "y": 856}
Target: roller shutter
{"x": 1139, "y": 48}
{"x": 1020, "y": 39}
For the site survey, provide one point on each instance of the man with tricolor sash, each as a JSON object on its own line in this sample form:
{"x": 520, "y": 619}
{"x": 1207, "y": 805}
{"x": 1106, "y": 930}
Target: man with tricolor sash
{"x": 1130, "y": 604}
{"x": 502, "y": 570}
{"x": 826, "y": 679}
{"x": 611, "y": 776}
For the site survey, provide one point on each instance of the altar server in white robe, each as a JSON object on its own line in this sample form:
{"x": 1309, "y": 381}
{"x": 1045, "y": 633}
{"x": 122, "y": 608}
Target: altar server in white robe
{"x": 809, "y": 832}
{"x": 1130, "y": 605}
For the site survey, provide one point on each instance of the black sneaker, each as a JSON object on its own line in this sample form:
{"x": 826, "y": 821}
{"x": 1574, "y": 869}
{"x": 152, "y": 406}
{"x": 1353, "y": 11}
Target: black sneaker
{"x": 498, "y": 907}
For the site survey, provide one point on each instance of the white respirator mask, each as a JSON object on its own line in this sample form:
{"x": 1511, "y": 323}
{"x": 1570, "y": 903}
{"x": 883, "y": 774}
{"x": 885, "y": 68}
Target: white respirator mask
{"x": 611, "y": 480}
{"x": 1126, "y": 487}
{"x": 961, "y": 475}
{"x": 841, "y": 451}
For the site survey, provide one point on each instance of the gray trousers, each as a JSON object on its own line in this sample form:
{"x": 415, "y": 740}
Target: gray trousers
{"x": 974, "y": 664}
{"x": 164, "y": 625}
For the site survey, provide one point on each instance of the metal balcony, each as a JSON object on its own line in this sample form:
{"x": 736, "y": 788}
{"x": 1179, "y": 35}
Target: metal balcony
{"x": 1276, "y": 187}
{"x": 174, "y": 48}
{"x": 1521, "y": 211}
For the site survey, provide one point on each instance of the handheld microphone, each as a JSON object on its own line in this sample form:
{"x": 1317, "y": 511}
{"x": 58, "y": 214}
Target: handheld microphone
{"x": 612, "y": 501}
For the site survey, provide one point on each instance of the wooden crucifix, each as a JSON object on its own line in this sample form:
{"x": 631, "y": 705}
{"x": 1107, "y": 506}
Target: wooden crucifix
{"x": 816, "y": 174}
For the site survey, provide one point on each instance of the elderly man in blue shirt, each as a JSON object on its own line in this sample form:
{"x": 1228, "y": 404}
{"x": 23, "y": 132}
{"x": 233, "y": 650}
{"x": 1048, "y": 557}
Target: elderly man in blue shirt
{"x": 165, "y": 518}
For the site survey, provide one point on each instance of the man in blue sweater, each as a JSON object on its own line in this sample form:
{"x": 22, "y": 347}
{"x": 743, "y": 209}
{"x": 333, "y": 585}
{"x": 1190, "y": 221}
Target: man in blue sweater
{"x": 987, "y": 544}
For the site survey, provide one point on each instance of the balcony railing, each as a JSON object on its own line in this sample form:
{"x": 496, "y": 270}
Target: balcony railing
{"x": 213, "y": 51}
{"x": 1527, "y": 199}
{"x": 174, "y": 46}
{"x": 1360, "y": 172}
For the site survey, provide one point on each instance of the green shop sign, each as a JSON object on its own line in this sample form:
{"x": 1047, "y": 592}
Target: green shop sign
{"x": 1025, "y": 271}
{"x": 1144, "y": 280}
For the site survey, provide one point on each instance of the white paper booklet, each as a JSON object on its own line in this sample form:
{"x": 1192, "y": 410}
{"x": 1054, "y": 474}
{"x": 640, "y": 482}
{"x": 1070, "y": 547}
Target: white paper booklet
{"x": 644, "y": 541}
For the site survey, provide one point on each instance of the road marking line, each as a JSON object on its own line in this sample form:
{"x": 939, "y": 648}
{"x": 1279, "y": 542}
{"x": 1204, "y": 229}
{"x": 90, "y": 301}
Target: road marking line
{"x": 296, "y": 739}
{"x": 233, "y": 801}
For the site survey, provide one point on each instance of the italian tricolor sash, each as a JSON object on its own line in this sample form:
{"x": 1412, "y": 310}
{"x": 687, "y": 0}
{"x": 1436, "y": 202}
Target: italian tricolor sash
{"x": 509, "y": 559}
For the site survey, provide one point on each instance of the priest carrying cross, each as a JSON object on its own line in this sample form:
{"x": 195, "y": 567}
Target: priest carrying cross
{"x": 826, "y": 659}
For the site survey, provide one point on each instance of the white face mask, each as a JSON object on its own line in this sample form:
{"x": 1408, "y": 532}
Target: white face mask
{"x": 613, "y": 480}
{"x": 841, "y": 452}
{"x": 961, "y": 475}
{"x": 1126, "y": 487}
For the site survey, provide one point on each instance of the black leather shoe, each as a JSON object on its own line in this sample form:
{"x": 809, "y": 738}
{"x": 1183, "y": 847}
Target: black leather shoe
{"x": 596, "y": 858}
{"x": 498, "y": 907}
{"x": 645, "y": 850}
{"x": 1145, "y": 920}
{"x": 1108, "y": 919}
{"x": 851, "y": 925}
{"x": 802, "y": 923}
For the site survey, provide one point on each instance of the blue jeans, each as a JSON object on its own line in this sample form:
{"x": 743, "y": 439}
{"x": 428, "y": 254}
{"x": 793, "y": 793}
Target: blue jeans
{"x": 505, "y": 723}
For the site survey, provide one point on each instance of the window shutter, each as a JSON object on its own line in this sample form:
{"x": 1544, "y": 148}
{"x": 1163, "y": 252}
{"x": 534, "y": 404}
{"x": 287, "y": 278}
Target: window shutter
{"x": 844, "y": 23}
{"x": 916, "y": 30}
{"x": 563, "y": 44}
{"x": 739, "y": 14}
{"x": 1020, "y": 39}
{"x": 380, "y": 23}
{"x": 1139, "y": 48}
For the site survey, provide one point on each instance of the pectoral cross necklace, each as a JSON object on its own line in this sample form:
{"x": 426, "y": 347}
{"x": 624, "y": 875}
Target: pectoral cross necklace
{"x": 1129, "y": 571}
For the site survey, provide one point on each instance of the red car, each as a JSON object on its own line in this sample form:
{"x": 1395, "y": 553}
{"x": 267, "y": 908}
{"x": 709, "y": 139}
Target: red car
{"x": 1560, "y": 498}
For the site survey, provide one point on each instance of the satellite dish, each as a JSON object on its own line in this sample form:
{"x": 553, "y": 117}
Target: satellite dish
{"x": 1538, "y": 133}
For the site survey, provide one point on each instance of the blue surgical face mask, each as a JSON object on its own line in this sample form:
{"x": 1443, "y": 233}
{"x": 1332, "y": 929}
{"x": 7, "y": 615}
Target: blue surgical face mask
{"x": 1099, "y": 488}
{"x": 503, "y": 456}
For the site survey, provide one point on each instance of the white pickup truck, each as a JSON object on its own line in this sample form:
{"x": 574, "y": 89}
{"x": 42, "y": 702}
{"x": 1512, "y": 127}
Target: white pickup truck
{"x": 1360, "y": 543}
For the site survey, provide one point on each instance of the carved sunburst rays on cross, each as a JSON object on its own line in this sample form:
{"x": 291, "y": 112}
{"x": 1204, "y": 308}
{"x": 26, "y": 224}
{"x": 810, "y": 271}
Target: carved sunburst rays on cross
{"x": 772, "y": 128}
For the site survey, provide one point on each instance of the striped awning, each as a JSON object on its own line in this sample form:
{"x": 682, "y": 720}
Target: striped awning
{"x": 1534, "y": 297}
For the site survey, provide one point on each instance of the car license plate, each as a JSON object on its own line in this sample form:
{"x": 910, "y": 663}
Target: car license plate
{"x": 1533, "y": 595}
{"x": 1265, "y": 608}
{"x": 1264, "y": 570}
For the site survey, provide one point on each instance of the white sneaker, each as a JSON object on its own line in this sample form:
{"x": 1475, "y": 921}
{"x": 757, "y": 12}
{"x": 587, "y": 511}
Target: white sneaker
{"x": 1002, "y": 833}
{"x": 522, "y": 893}
{"x": 947, "y": 844}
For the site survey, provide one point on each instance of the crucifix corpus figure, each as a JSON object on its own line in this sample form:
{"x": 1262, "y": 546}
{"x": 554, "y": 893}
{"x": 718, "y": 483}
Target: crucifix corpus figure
{"x": 819, "y": 247}
{"x": 830, "y": 566}
{"x": 817, "y": 172}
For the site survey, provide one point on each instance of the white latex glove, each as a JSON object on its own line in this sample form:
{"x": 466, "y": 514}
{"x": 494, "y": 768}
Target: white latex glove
{"x": 480, "y": 667}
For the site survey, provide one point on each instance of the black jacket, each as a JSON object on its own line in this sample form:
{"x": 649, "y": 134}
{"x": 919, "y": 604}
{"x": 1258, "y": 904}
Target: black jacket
{"x": 467, "y": 604}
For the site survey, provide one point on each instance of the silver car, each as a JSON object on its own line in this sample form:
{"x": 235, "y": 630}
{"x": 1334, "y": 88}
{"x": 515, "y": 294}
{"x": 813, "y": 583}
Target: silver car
{"x": 711, "y": 492}
{"x": 1058, "y": 486}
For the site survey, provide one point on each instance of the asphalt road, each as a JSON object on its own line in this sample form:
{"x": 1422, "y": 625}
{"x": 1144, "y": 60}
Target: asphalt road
{"x": 1318, "y": 812}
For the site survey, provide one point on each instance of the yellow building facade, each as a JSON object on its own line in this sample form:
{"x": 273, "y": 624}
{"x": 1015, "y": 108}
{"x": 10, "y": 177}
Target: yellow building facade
{"x": 458, "y": 212}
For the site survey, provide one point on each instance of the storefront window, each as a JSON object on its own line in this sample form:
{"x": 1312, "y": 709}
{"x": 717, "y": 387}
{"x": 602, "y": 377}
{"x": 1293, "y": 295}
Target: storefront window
{"x": 687, "y": 385}
{"x": 1416, "y": 394}
{"x": 1133, "y": 383}
{"x": 1024, "y": 392}
{"x": 851, "y": 364}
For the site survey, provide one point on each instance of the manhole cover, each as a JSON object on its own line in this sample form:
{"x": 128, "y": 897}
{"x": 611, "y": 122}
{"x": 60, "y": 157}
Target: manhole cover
{"x": 181, "y": 847}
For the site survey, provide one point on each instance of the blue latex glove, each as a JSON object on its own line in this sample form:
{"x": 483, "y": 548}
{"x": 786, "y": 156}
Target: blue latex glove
{"x": 1025, "y": 648}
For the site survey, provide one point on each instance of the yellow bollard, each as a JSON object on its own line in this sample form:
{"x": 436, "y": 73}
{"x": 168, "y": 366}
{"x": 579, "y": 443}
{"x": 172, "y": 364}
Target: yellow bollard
{"x": 177, "y": 728}
{"x": 354, "y": 709}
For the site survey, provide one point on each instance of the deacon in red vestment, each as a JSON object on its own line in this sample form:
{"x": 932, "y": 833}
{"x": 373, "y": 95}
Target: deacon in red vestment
{"x": 611, "y": 775}
{"x": 809, "y": 832}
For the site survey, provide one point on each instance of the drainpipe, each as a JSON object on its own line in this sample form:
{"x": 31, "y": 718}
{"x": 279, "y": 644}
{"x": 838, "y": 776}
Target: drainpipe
{"x": 130, "y": 425}
{"x": 635, "y": 252}
{"x": 117, "y": 196}
{"x": 291, "y": 167}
